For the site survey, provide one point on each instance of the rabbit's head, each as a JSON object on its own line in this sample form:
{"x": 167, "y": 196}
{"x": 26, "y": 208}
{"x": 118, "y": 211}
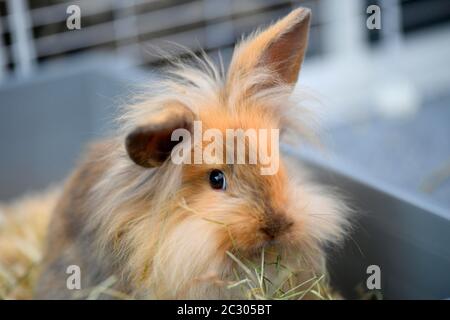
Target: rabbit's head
{"x": 173, "y": 202}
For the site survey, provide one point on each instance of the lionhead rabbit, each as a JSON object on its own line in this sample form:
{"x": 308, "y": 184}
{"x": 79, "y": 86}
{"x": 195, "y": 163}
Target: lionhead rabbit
{"x": 165, "y": 229}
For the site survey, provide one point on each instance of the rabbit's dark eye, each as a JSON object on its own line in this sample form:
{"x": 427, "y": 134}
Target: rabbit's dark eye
{"x": 217, "y": 180}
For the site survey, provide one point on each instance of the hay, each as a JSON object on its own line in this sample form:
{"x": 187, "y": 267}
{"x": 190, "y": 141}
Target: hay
{"x": 23, "y": 226}
{"x": 272, "y": 280}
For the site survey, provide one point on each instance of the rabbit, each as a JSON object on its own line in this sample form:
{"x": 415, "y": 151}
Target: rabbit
{"x": 169, "y": 230}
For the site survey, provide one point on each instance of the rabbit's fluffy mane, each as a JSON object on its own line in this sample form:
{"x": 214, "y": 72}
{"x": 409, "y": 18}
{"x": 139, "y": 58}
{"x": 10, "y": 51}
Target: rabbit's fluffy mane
{"x": 136, "y": 208}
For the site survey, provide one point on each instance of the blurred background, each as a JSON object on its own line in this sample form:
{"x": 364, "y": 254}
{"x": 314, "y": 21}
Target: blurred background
{"x": 382, "y": 97}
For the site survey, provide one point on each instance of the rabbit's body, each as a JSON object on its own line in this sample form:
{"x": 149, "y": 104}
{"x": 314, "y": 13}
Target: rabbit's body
{"x": 164, "y": 229}
{"x": 68, "y": 240}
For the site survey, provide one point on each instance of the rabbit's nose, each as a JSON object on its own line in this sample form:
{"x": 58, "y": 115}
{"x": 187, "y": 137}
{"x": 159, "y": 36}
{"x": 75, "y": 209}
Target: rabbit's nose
{"x": 276, "y": 226}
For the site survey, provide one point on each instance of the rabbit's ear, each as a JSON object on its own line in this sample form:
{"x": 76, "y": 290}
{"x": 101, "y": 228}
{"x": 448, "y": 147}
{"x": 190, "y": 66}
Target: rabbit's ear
{"x": 150, "y": 144}
{"x": 281, "y": 47}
